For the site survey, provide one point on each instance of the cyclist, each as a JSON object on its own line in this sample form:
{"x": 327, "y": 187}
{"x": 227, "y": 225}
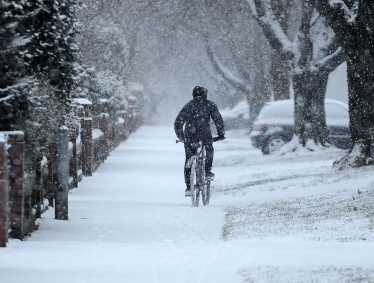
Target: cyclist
{"x": 195, "y": 118}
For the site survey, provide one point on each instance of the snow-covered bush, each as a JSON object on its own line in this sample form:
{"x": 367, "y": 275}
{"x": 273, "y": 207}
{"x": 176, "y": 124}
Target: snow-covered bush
{"x": 101, "y": 85}
{"x": 52, "y": 51}
{"x": 111, "y": 88}
{"x": 41, "y": 124}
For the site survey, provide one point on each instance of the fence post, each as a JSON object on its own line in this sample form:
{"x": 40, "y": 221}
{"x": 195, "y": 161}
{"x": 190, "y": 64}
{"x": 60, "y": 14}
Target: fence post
{"x": 4, "y": 197}
{"x": 87, "y": 147}
{"x": 62, "y": 174}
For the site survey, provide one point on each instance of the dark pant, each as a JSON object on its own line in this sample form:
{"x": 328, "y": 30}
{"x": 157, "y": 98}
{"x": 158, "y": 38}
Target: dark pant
{"x": 189, "y": 151}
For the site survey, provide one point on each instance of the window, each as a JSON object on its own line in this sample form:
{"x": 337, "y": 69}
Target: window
{"x": 334, "y": 111}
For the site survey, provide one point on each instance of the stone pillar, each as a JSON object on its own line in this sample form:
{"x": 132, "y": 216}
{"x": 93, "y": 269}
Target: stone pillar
{"x": 4, "y": 195}
{"x": 87, "y": 157}
{"x": 16, "y": 154}
{"x": 61, "y": 176}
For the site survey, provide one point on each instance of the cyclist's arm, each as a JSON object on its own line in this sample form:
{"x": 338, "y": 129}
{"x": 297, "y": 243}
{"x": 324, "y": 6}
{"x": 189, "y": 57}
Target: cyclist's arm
{"x": 178, "y": 124}
{"x": 218, "y": 121}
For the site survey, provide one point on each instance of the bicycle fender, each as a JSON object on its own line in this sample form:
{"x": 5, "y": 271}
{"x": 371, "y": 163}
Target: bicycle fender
{"x": 190, "y": 161}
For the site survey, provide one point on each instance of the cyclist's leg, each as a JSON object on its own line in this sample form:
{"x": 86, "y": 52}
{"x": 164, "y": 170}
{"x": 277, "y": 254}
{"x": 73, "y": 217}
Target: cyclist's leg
{"x": 189, "y": 151}
{"x": 209, "y": 151}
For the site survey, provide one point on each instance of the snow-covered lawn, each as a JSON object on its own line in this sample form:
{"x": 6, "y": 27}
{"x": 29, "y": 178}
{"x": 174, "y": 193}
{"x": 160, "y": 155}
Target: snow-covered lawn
{"x": 287, "y": 218}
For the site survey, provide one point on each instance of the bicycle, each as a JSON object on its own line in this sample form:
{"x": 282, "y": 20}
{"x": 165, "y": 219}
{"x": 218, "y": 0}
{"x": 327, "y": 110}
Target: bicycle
{"x": 199, "y": 184}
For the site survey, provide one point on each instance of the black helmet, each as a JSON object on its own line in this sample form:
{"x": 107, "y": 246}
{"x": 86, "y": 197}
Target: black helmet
{"x": 200, "y": 91}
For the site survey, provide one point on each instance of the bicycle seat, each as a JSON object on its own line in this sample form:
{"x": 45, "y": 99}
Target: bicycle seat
{"x": 195, "y": 145}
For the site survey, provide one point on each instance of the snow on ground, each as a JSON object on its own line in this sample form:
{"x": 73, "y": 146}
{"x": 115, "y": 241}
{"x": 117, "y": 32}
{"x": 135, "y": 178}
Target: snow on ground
{"x": 274, "y": 218}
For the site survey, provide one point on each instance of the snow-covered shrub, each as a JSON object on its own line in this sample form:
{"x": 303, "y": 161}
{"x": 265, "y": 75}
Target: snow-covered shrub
{"x": 41, "y": 124}
{"x": 52, "y": 51}
{"x": 111, "y": 88}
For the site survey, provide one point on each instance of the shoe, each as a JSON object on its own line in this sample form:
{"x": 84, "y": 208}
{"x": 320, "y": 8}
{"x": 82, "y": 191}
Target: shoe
{"x": 187, "y": 193}
{"x": 209, "y": 175}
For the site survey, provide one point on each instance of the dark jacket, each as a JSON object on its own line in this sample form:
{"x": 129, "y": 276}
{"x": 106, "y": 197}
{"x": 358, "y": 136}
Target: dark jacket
{"x": 195, "y": 117}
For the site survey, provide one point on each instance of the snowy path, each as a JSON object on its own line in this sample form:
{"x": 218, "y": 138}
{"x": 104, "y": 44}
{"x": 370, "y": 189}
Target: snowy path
{"x": 130, "y": 222}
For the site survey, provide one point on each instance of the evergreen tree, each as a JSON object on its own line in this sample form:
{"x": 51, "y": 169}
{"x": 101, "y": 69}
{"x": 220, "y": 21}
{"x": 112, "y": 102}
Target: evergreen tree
{"x": 52, "y": 51}
{"x": 14, "y": 85}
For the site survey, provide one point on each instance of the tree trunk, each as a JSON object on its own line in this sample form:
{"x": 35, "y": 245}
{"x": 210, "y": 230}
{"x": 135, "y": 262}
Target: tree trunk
{"x": 279, "y": 70}
{"x": 258, "y": 96}
{"x": 280, "y": 77}
{"x": 361, "y": 116}
{"x": 255, "y": 106}
{"x": 310, "y": 119}
{"x": 356, "y": 36}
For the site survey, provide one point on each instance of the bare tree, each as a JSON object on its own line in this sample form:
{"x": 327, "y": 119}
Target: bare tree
{"x": 102, "y": 42}
{"x": 311, "y": 57}
{"x": 279, "y": 73}
{"x": 254, "y": 84}
{"x": 353, "y": 22}
{"x": 238, "y": 52}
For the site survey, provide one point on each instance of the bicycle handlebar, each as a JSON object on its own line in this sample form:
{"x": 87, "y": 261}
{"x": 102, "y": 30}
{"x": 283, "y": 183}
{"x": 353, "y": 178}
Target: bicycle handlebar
{"x": 216, "y": 139}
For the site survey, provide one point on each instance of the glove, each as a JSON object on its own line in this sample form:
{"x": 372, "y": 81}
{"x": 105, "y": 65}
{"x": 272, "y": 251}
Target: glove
{"x": 219, "y": 138}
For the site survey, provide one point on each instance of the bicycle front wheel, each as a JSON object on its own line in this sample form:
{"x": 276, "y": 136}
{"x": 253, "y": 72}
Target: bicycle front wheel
{"x": 206, "y": 193}
{"x": 193, "y": 183}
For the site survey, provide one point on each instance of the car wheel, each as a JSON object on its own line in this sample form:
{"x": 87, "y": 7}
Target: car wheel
{"x": 273, "y": 143}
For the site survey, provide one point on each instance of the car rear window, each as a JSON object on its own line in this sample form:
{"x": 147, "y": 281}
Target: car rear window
{"x": 279, "y": 111}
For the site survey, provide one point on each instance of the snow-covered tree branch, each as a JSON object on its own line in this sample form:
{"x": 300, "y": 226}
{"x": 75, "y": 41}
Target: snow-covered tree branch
{"x": 311, "y": 57}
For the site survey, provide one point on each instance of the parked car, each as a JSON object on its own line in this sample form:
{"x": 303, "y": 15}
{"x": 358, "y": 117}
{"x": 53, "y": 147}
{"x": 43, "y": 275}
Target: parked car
{"x": 274, "y": 125}
{"x": 236, "y": 117}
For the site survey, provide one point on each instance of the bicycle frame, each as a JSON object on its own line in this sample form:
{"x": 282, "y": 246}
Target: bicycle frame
{"x": 202, "y": 185}
{"x": 197, "y": 165}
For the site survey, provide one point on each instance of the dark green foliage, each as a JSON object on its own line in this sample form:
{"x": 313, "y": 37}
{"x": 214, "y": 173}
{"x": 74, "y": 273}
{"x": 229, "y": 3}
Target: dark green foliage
{"x": 52, "y": 50}
{"x": 40, "y": 72}
{"x": 14, "y": 86}
{"x": 37, "y": 71}
{"x": 41, "y": 126}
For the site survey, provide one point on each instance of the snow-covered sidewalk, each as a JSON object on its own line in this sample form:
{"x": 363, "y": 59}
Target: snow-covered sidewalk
{"x": 130, "y": 222}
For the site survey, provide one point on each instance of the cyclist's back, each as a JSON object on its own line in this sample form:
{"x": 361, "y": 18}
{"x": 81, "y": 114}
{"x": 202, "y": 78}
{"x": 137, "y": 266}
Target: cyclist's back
{"x": 195, "y": 118}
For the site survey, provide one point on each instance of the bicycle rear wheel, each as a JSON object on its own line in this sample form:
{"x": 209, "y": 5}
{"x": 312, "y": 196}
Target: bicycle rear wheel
{"x": 193, "y": 183}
